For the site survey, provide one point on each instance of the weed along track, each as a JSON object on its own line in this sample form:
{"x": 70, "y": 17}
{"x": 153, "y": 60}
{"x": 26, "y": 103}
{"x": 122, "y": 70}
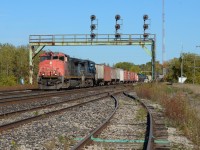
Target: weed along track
{"x": 157, "y": 134}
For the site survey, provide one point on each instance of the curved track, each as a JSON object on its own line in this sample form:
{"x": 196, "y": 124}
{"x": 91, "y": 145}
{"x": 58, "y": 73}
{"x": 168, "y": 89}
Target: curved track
{"x": 156, "y": 133}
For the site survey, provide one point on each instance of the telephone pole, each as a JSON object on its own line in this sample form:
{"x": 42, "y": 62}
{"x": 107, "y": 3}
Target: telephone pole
{"x": 163, "y": 36}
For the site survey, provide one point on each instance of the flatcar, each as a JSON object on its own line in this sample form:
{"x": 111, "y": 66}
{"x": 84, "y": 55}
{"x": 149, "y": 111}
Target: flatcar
{"x": 58, "y": 70}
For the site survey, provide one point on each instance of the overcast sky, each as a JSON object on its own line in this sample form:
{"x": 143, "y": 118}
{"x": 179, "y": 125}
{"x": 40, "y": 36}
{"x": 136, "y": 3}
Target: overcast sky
{"x": 21, "y": 18}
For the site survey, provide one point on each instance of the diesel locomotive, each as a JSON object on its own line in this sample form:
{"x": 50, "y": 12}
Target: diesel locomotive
{"x": 58, "y": 70}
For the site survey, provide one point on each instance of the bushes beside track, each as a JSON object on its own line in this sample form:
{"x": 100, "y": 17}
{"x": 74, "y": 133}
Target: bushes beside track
{"x": 178, "y": 111}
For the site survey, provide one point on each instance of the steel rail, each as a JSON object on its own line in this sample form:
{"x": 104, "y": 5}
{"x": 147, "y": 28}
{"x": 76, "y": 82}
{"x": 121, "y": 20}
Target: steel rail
{"x": 87, "y": 139}
{"x": 149, "y": 138}
{"x": 45, "y": 115}
{"x": 46, "y": 106}
{"x": 7, "y": 100}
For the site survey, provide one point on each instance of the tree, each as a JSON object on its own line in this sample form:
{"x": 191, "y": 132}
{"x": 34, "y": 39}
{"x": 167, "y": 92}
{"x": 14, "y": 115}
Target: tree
{"x": 14, "y": 64}
{"x": 191, "y": 68}
{"x": 124, "y": 65}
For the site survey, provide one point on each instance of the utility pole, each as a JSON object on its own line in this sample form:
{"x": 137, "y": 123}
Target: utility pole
{"x": 163, "y": 35}
{"x": 194, "y": 67}
{"x": 194, "y": 76}
{"x": 181, "y": 67}
{"x": 182, "y": 64}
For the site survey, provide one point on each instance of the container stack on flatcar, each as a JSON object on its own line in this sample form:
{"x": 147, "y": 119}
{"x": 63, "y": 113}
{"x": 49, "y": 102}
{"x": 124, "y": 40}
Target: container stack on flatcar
{"x": 58, "y": 70}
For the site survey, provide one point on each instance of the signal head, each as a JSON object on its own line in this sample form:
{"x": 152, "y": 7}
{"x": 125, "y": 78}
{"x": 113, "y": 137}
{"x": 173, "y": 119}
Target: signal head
{"x": 117, "y": 17}
{"x": 93, "y": 26}
{"x": 145, "y": 17}
{"x": 117, "y": 26}
{"x": 145, "y": 26}
{"x": 92, "y": 35}
{"x": 145, "y": 35}
{"x": 117, "y": 35}
{"x": 92, "y": 17}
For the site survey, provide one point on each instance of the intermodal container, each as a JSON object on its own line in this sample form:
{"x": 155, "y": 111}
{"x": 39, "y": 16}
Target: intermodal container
{"x": 113, "y": 74}
{"x": 125, "y": 76}
{"x": 121, "y": 75}
{"x": 132, "y": 76}
{"x": 99, "y": 72}
{"x": 118, "y": 74}
{"x": 107, "y": 73}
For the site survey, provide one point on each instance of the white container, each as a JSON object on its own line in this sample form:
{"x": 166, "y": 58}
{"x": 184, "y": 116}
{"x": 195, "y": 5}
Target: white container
{"x": 99, "y": 71}
{"x": 113, "y": 73}
{"x": 121, "y": 75}
{"x": 117, "y": 73}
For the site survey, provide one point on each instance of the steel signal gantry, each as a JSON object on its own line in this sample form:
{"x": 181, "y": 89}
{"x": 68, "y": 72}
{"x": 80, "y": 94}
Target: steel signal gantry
{"x": 38, "y": 42}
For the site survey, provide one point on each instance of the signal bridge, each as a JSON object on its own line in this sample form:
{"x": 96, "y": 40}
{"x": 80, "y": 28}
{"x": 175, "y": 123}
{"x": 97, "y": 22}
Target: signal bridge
{"x": 38, "y": 42}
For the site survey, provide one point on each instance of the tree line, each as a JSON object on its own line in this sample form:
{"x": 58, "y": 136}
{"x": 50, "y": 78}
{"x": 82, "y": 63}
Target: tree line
{"x": 187, "y": 65}
{"x": 14, "y": 65}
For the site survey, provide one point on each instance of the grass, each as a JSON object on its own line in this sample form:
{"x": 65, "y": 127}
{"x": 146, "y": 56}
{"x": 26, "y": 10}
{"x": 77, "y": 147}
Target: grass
{"x": 18, "y": 87}
{"x": 14, "y": 145}
{"x": 60, "y": 141}
{"x": 176, "y": 106}
{"x": 35, "y": 113}
{"x": 141, "y": 114}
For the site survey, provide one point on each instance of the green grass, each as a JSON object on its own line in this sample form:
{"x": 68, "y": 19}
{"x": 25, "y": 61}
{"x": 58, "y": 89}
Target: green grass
{"x": 141, "y": 114}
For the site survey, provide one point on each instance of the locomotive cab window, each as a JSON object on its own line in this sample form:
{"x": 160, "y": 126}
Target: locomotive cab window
{"x": 42, "y": 58}
{"x": 91, "y": 65}
{"x": 55, "y": 57}
{"x": 61, "y": 58}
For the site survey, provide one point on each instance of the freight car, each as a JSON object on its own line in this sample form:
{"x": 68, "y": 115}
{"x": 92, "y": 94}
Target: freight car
{"x": 58, "y": 70}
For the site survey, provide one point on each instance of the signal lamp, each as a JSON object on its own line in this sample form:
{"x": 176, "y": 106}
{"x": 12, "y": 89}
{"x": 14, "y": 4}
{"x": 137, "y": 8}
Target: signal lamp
{"x": 117, "y": 17}
{"x": 93, "y": 26}
{"x": 145, "y": 35}
{"x": 117, "y": 35}
{"x": 92, "y": 17}
{"x": 145, "y": 26}
{"x": 92, "y": 35}
{"x": 117, "y": 26}
{"x": 145, "y": 17}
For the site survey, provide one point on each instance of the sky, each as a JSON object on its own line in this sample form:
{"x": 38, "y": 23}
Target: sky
{"x": 21, "y": 18}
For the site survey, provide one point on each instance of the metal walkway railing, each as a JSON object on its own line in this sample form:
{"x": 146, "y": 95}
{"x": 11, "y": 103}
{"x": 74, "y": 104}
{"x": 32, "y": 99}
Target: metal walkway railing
{"x": 85, "y": 39}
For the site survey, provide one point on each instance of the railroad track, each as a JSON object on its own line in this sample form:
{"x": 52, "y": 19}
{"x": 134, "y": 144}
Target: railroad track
{"x": 13, "y": 99}
{"x": 46, "y": 114}
{"x": 155, "y": 137}
{"x": 76, "y": 102}
{"x": 37, "y": 108}
{"x": 15, "y": 92}
{"x": 21, "y": 105}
